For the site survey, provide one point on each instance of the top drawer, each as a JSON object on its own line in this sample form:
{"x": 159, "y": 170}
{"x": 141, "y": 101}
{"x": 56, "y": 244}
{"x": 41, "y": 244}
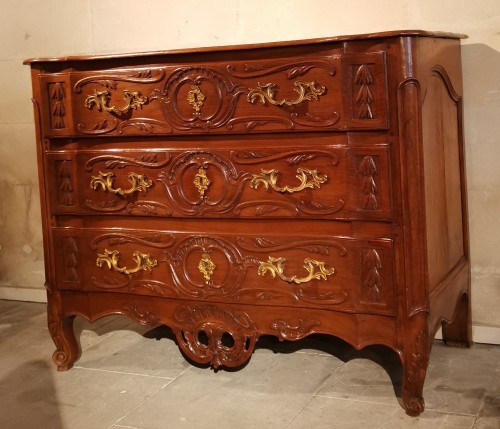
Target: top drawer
{"x": 308, "y": 93}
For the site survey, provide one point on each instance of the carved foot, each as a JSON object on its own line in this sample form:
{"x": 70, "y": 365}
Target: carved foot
{"x": 67, "y": 348}
{"x": 415, "y": 362}
{"x": 220, "y": 337}
{"x": 459, "y": 332}
{"x": 414, "y": 406}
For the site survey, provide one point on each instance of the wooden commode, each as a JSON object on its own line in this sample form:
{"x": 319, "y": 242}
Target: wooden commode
{"x": 280, "y": 189}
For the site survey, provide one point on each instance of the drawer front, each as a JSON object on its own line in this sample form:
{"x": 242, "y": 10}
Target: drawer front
{"x": 306, "y": 270}
{"x": 326, "y": 179}
{"x": 323, "y": 91}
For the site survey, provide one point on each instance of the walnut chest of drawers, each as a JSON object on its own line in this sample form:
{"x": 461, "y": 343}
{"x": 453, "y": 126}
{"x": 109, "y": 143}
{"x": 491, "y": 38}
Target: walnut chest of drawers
{"x": 279, "y": 189}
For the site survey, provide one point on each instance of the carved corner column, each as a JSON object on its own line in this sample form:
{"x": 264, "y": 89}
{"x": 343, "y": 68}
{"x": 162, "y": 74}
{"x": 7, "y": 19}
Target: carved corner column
{"x": 61, "y": 330}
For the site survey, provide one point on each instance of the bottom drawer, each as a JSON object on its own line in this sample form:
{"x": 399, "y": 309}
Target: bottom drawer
{"x": 303, "y": 270}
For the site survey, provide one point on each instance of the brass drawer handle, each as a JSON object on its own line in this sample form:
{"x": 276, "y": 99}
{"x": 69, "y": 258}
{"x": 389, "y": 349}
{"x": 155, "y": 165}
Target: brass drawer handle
{"x": 111, "y": 257}
{"x": 307, "y": 91}
{"x": 308, "y": 179}
{"x": 139, "y": 183}
{"x": 100, "y": 99}
{"x": 275, "y": 266}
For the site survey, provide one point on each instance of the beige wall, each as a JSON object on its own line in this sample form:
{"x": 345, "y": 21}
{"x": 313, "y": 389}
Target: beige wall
{"x": 31, "y": 28}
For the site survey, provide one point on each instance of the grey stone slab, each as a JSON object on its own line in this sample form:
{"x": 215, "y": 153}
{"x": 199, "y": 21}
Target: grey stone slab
{"x": 367, "y": 377}
{"x": 267, "y": 393}
{"x": 34, "y": 395}
{"x": 489, "y": 415}
{"x": 456, "y": 380}
{"x": 136, "y": 351}
{"x": 333, "y": 413}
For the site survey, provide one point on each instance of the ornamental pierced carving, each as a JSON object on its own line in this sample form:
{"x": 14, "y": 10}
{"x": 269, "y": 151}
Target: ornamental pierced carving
{"x": 58, "y": 97}
{"x": 139, "y": 182}
{"x": 111, "y": 259}
{"x": 275, "y": 266}
{"x": 133, "y": 101}
{"x": 64, "y": 185}
{"x": 371, "y": 278}
{"x": 307, "y": 91}
{"x": 296, "y": 331}
{"x": 216, "y": 336}
{"x": 308, "y": 179}
{"x": 363, "y": 79}
{"x": 368, "y": 171}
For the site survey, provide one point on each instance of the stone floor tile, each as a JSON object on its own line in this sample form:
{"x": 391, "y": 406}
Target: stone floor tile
{"x": 457, "y": 379}
{"x": 267, "y": 393}
{"x": 135, "y": 351}
{"x": 333, "y": 413}
{"x": 34, "y": 395}
{"x": 367, "y": 377}
{"x": 489, "y": 415}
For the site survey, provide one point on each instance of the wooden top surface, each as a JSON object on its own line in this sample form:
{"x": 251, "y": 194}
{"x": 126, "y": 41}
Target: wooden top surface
{"x": 399, "y": 33}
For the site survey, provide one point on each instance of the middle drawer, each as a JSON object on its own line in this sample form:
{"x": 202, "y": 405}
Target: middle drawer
{"x": 225, "y": 179}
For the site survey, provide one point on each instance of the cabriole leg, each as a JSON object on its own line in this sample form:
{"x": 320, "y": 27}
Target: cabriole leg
{"x": 61, "y": 330}
{"x": 415, "y": 362}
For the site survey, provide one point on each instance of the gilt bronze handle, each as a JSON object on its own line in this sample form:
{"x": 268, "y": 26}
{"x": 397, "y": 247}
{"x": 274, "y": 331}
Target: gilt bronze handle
{"x": 307, "y": 91}
{"x": 275, "y": 266}
{"x": 134, "y": 100}
{"x": 111, "y": 258}
{"x": 308, "y": 179}
{"x": 139, "y": 183}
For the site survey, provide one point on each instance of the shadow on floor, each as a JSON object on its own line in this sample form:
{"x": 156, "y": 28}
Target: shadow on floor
{"x": 28, "y": 397}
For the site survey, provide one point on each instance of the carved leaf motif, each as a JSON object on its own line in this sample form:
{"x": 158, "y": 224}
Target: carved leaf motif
{"x": 372, "y": 282}
{"x": 58, "y": 110}
{"x": 368, "y": 169}
{"x": 296, "y": 331}
{"x": 262, "y": 209}
{"x": 294, "y": 160}
{"x": 364, "y": 98}
{"x": 65, "y": 187}
{"x": 70, "y": 259}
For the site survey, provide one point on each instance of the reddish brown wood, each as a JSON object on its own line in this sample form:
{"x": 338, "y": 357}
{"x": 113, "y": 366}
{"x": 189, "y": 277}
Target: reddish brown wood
{"x": 283, "y": 189}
